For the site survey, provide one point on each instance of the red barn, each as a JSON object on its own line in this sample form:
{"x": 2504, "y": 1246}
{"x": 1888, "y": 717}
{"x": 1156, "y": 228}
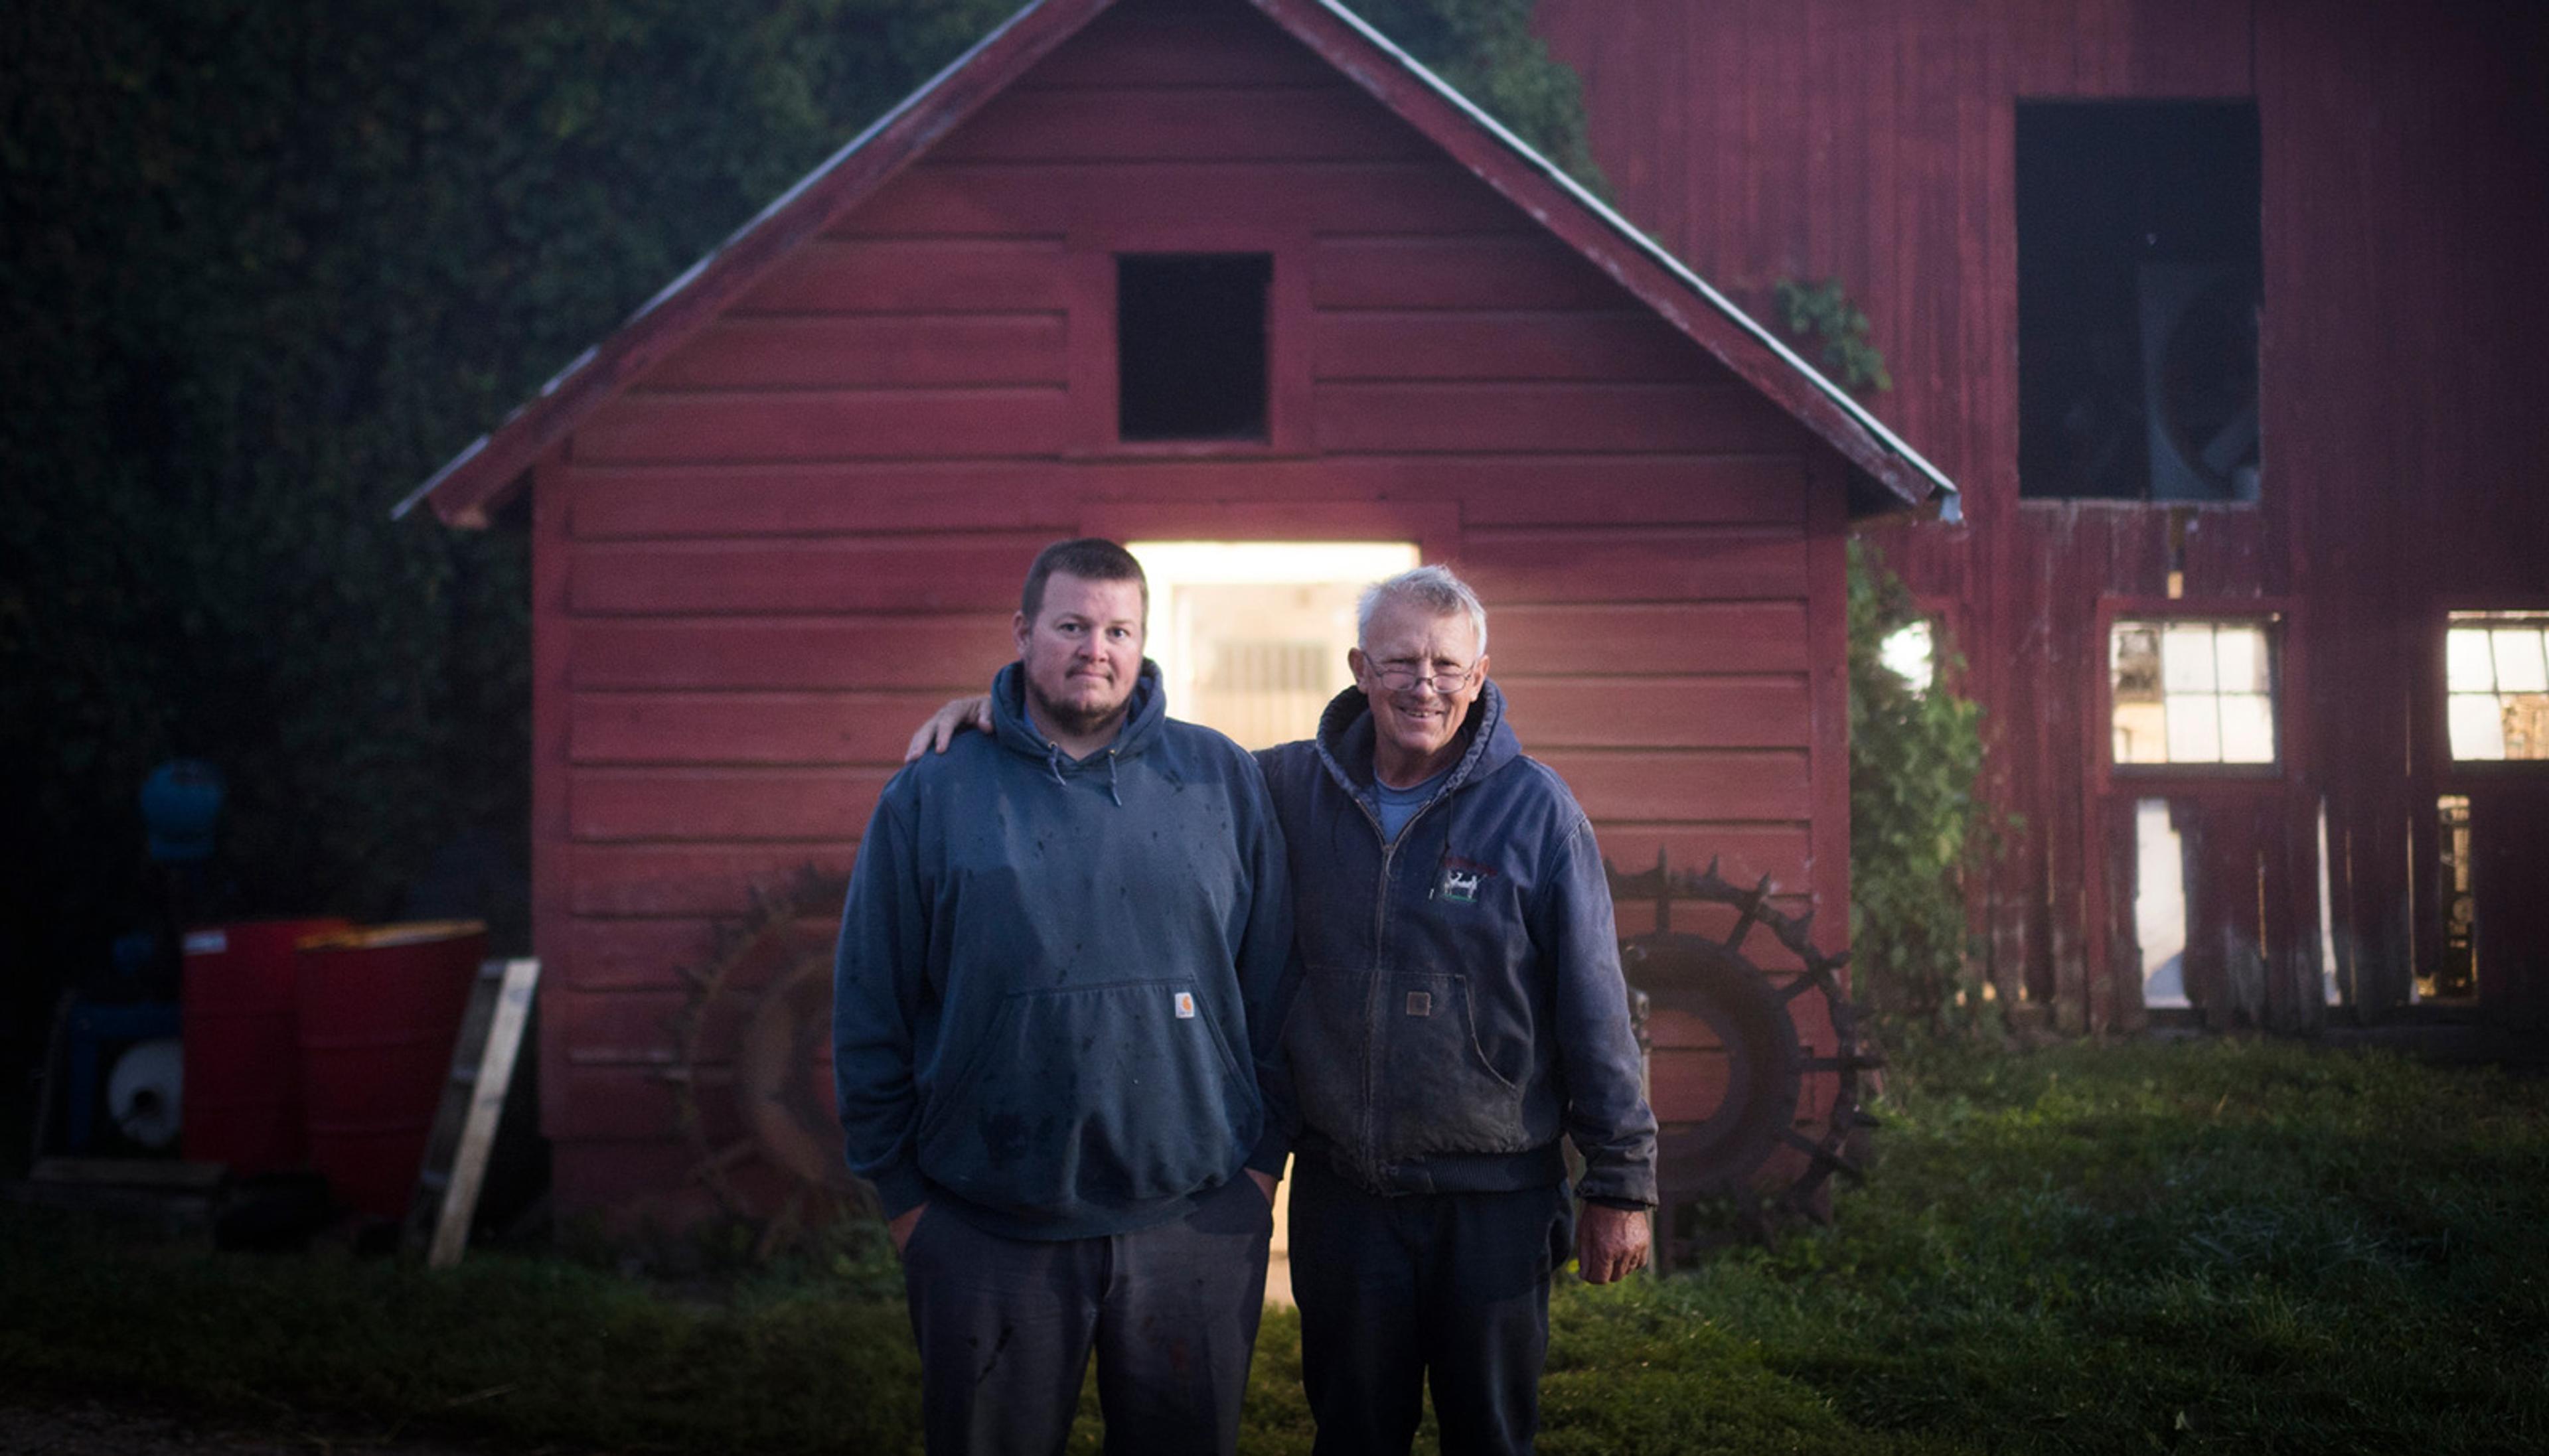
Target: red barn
{"x": 2228, "y": 317}
{"x": 1215, "y": 272}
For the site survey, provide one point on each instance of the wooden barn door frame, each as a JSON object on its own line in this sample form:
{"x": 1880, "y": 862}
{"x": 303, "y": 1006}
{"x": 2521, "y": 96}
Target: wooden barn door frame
{"x": 2113, "y": 980}
{"x": 2499, "y": 792}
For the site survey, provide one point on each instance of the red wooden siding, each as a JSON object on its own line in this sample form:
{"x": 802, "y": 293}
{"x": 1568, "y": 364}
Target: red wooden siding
{"x": 762, "y": 563}
{"x": 2404, "y": 218}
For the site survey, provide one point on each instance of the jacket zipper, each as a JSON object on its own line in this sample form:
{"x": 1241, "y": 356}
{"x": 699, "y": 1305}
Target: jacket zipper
{"x": 1374, "y": 1001}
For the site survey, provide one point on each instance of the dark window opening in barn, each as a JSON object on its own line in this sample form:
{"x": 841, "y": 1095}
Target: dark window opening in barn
{"x": 2138, "y": 268}
{"x": 2456, "y": 978}
{"x": 1191, "y": 345}
{"x": 2191, "y": 692}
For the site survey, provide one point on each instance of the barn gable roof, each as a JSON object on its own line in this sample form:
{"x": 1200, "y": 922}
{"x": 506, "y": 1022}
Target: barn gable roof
{"x": 480, "y": 478}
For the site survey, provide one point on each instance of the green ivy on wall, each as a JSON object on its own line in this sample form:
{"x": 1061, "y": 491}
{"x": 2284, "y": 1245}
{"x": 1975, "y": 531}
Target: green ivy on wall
{"x": 1823, "y": 311}
{"x": 1915, "y": 823}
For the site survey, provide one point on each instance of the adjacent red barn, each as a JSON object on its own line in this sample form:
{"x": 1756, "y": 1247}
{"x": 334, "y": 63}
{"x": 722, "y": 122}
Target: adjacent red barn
{"x": 1167, "y": 270}
{"x": 2361, "y": 183}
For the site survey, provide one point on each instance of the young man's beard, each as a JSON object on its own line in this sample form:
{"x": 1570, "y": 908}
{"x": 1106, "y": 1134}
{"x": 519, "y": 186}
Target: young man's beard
{"x": 1074, "y": 722}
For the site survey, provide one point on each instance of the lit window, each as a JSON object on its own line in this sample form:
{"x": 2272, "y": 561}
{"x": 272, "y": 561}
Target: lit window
{"x": 1910, "y": 651}
{"x": 2193, "y": 693}
{"x": 2497, "y": 667}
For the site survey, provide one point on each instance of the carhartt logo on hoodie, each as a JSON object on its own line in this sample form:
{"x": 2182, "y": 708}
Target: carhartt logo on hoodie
{"x": 1185, "y": 1005}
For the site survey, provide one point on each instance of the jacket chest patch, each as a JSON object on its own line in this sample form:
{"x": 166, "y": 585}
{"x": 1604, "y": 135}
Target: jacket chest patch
{"x": 1460, "y": 878}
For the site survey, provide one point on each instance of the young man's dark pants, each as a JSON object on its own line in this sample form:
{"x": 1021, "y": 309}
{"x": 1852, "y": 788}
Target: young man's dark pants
{"x": 1006, "y": 1327}
{"x": 1450, "y": 1286}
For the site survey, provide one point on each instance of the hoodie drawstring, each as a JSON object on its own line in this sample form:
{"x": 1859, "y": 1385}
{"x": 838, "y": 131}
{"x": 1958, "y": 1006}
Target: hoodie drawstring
{"x": 1053, "y": 761}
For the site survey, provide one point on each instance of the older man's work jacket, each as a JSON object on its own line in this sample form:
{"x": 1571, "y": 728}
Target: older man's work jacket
{"x": 1460, "y": 1004}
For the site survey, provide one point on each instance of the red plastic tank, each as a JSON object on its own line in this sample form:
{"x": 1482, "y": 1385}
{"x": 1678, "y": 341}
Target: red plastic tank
{"x": 243, "y": 1076}
{"x": 380, "y": 1008}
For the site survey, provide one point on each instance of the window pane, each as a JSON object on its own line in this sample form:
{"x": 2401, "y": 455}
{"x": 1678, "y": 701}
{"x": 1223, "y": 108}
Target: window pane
{"x": 2193, "y": 728}
{"x": 2525, "y": 716}
{"x": 2472, "y": 665}
{"x": 2518, "y": 668}
{"x": 2478, "y": 726}
{"x": 2247, "y": 728}
{"x": 2186, "y": 659}
{"x": 2135, "y": 658}
{"x": 2141, "y": 733}
{"x": 2240, "y": 653}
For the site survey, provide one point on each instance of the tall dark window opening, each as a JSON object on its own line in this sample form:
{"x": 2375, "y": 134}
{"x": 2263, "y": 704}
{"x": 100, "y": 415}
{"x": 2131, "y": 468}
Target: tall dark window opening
{"x": 1191, "y": 345}
{"x": 2138, "y": 268}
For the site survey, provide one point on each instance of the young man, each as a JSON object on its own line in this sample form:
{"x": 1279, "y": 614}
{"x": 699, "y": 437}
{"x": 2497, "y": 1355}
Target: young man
{"x": 1060, "y": 968}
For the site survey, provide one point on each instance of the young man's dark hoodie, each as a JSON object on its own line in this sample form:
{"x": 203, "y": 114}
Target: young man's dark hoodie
{"x": 1058, "y": 978}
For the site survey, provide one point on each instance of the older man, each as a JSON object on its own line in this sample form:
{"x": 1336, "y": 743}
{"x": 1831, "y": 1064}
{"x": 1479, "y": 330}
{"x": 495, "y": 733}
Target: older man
{"x": 1059, "y": 963}
{"x": 1461, "y": 1008}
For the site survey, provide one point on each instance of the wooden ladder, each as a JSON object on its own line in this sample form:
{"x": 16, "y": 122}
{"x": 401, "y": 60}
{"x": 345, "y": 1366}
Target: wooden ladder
{"x": 473, "y": 1102}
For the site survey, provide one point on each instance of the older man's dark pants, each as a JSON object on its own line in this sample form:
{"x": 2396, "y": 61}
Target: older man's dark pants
{"x": 1450, "y": 1286}
{"x": 1007, "y": 1325}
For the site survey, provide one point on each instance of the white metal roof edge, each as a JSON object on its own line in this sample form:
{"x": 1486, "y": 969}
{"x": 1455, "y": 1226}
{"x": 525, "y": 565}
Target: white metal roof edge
{"x": 1661, "y": 254}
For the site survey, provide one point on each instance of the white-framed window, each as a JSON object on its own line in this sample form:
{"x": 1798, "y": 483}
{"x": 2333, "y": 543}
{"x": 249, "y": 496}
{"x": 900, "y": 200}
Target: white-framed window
{"x": 2496, "y": 667}
{"x": 2190, "y": 691}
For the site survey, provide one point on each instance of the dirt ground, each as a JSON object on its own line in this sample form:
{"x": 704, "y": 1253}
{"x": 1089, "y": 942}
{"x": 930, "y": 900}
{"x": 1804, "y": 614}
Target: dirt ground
{"x": 87, "y": 1429}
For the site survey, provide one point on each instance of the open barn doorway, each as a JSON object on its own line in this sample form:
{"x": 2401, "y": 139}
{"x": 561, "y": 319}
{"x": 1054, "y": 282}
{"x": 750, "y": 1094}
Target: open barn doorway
{"x": 1250, "y": 639}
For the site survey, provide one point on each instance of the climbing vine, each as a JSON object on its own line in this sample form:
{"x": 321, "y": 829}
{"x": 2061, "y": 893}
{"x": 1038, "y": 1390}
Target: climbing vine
{"x": 1823, "y": 311}
{"x": 1917, "y": 826}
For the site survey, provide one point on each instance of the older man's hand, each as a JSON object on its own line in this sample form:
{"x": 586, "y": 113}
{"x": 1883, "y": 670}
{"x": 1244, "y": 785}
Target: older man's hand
{"x": 951, "y": 719}
{"x": 1610, "y": 1243}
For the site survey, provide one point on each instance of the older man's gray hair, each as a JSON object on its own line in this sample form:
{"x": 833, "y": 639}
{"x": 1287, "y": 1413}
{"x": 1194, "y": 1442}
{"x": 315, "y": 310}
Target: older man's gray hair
{"x": 1432, "y": 588}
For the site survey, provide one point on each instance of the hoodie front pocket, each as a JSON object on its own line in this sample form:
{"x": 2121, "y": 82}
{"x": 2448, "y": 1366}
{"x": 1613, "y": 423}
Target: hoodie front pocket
{"x": 1091, "y": 1096}
{"x": 1444, "y": 1093}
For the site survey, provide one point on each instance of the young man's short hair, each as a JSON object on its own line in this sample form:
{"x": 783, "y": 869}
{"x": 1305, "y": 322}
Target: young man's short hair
{"x": 1089, "y": 558}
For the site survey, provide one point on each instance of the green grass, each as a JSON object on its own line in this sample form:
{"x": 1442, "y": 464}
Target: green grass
{"x": 2230, "y": 1247}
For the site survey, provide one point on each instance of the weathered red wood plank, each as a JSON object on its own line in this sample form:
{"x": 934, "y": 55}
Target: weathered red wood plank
{"x": 1532, "y": 417}
{"x": 615, "y": 1104}
{"x": 953, "y": 653}
{"x": 1687, "y": 1084}
{"x": 1577, "y": 712}
{"x": 636, "y": 954}
{"x": 1667, "y": 640}
{"x": 695, "y": 879}
{"x": 1328, "y": 121}
{"x": 1437, "y": 344}
{"x": 924, "y": 575}
{"x": 1514, "y": 270}
{"x": 809, "y": 499}
{"x": 757, "y": 728}
{"x": 1488, "y": 488}
{"x": 1743, "y": 851}
{"x": 900, "y": 350}
{"x": 1657, "y": 565}
{"x": 1004, "y": 199}
{"x": 727, "y": 805}
{"x": 628, "y": 1028}
{"x": 937, "y": 275}
{"x": 828, "y": 424}
{"x": 1714, "y": 784}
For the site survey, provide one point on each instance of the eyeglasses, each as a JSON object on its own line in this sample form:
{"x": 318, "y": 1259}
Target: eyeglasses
{"x": 1400, "y": 676}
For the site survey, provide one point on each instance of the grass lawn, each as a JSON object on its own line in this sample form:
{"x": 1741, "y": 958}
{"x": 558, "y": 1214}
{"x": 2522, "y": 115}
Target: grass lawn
{"x": 2232, "y": 1246}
